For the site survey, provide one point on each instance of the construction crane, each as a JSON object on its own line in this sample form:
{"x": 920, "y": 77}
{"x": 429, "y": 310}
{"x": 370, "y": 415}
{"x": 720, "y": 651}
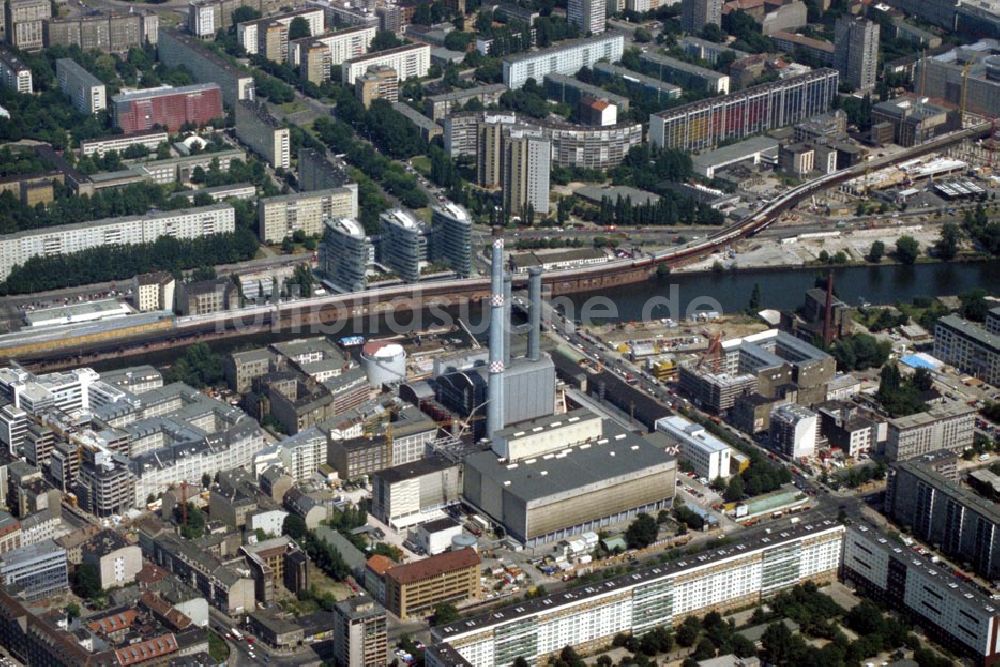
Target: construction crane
{"x": 713, "y": 355}
{"x": 965, "y": 88}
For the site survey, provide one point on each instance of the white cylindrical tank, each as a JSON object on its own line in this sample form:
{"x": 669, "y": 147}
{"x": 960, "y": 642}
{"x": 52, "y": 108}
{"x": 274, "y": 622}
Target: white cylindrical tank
{"x": 384, "y": 363}
{"x": 463, "y": 541}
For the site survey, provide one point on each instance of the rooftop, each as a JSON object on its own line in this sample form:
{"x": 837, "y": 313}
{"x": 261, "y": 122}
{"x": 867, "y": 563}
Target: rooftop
{"x": 749, "y": 541}
{"x": 433, "y": 566}
{"x": 680, "y": 65}
{"x": 567, "y": 45}
{"x": 972, "y": 330}
{"x": 688, "y": 431}
{"x": 79, "y": 71}
{"x": 160, "y": 91}
{"x": 936, "y": 412}
{"x": 466, "y": 93}
{"x": 617, "y": 455}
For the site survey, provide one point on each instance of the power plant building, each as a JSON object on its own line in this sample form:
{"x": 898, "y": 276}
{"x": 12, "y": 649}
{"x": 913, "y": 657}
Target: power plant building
{"x": 737, "y": 575}
{"x": 568, "y": 485}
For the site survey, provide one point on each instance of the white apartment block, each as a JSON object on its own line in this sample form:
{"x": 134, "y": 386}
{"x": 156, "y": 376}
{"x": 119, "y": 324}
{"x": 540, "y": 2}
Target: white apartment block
{"x": 794, "y": 429}
{"x": 736, "y": 575}
{"x": 343, "y": 45}
{"x": 87, "y": 93}
{"x": 13, "y": 427}
{"x": 970, "y": 347}
{"x": 284, "y": 215}
{"x": 588, "y": 15}
{"x": 120, "y": 142}
{"x": 248, "y": 33}
{"x": 943, "y": 426}
{"x": 410, "y": 61}
{"x": 263, "y": 133}
{"x": 888, "y": 570}
{"x": 567, "y": 58}
{"x": 708, "y": 456}
{"x": 303, "y": 453}
{"x": 18, "y": 248}
{"x": 14, "y": 74}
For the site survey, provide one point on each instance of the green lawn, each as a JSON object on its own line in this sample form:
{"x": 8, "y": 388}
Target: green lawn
{"x": 217, "y": 647}
{"x": 422, "y": 164}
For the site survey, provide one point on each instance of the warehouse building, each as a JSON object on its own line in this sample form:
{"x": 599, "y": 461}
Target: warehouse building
{"x": 735, "y": 576}
{"x": 958, "y": 614}
{"x": 412, "y": 493}
{"x": 581, "y": 475}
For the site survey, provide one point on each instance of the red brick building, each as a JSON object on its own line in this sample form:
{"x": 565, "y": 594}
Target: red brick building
{"x": 141, "y": 110}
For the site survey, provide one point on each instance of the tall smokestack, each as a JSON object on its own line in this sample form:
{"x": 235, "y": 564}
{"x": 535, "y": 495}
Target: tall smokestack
{"x": 507, "y": 323}
{"x": 495, "y": 402}
{"x": 534, "y": 312}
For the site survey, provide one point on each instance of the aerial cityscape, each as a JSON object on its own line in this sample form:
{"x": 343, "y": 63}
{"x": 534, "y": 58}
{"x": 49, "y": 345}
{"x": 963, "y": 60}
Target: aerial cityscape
{"x": 454, "y": 333}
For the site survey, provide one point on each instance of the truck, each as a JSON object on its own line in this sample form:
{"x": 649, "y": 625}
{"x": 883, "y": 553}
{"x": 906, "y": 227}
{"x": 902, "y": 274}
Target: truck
{"x": 237, "y": 634}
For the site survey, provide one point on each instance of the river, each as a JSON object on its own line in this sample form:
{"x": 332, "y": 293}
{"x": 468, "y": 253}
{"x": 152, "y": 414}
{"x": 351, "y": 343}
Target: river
{"x": 784, "y": 289}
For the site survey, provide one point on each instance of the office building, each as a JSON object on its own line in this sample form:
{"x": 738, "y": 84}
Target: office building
{"x": 735, "y": 576}
{"x": 696, "y": 14}
{"x": 341, "y": 45}
{"x": 242, "y": 367}
{"x": 303, "y": 453}
{"x": 685, "y": 75}
{"x": 527, "y": 158}
{"x": 18, "y": 248}
{"x": 284, "y": 215}
{"x": 705, "y": 124}
{"x": 378, "y": 82}
{"x": 345, "y": 254}
{"x": 636, "y": 83}
{"x": 24, "y": 23}
{"x": 587, "y": 15}
{"x": 601, "y": 476}
{"x": 35, "y": 571}
{"x": 451, "y": 238}
{"x": 409, "y": 61}
{"x": 940, "y": 511}
{"x": 176, "y": 49}
{"x": 166, "y": 106}
{"x": 970, "y": 347}
{"x": 118, "y": 143}
{"x": 856, "y": 54}
{"x": 943, "y": 426}
{"x": 85, "y": 90}
{"x": 568, "y": 58}
{"x": 914, "y": 120}
{"x": 14, "y": 74}
{"x": 845, "y": 427}
{"x": 13, "y": 428}
{"x": 108, "y": 31}
{"x": 104, "y": 484}
{"x": 794, "y": 430}
{"x": 359, "y": 633}
{"x": 438, "y": 107}
{"x": 708, "y": 456}
{"x": 953, "y": 611}
{"x": 264, "y": 133}
{"x": 411, "y": 493}
{"x": 404, "y": 245}
{"x": 414, "y": 589}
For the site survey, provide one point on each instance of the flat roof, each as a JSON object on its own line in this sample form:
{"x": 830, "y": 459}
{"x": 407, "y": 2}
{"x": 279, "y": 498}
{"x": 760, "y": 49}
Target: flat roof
{"x": 61, "y": 229}
{"x": 567, "y": 45}
{"x": 681, "y": 66}
{"x": 742, "y": 150}
{"x": 919, "y": 469}
{"x": 466, "y": 93}
{"x": 434, "y": 566}
{"x": 689, "y": 431}
{"x": 750, "y": 541}
{"x": 936, "y": 412}
{"x": 972, "y": 330}
{"x": 418, "y": 468}
{"x": 79, "y": 71}
{"x": 163, "y": 90}
{"x": 617, "y": 454}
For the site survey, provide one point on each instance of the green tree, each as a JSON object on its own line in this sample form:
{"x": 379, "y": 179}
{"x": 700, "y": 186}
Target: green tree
{"x": 73, "y": 610}
{"x": 195, "y": 525}
{"x": 689, "y": 631}
{"x": 198, "y": 367}
{"x": 735, "y": 490}
{"x": 642, "y": 531}
{"x": 946, "y": 247}
{"x": 295, "y": 527}
{"x": 444, "y": 613}
{"x": 755, "y": 303}
{"x": 298, "y": 28}
{"x": 705, "y": 650}
{"x": 876, "y": 252}
{"x": 907, "y": 249}
{"x": 87, "y": 582}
